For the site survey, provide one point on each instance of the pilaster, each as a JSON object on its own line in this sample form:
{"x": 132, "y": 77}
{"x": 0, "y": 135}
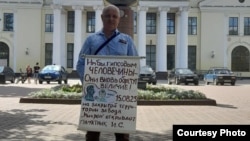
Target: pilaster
{"x": 98, "y": 21}
{"x": 142, "y": 33}
{"x": 78, "y": 33}
{"x": 161, "y": 48}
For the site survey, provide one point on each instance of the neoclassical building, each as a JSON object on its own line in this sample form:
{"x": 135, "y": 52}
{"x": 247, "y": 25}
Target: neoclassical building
{"x": 197, "y": 34}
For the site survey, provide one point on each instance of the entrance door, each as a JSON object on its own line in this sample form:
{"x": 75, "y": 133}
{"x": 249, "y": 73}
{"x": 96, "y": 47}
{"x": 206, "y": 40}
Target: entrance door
{"x": 4, "y": 54}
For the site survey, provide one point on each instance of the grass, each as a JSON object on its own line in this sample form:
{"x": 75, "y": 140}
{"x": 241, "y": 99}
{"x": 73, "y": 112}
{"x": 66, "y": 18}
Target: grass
{"x": 150, "y": 93}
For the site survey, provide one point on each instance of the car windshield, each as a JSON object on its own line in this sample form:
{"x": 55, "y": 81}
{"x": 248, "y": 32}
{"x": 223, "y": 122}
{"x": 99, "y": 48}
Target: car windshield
{"x": 222, "y": 71}
{"x": 146, "y": 69}
{"x": 184, "y": 71}
{"x": 52, "y": 67}
{"x": 1, "y": 68}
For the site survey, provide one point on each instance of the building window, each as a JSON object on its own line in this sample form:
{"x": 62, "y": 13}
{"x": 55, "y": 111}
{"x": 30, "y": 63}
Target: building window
{"x": 170, "y": 57}
{"x": 151, "y": 56}
{"x": 151, "y": 23}
{"x": 171, "y": 23}
{"x": 240, "y": 59}
{"x": 49, "y": 22}
{"x": 233, "y": 26}
{"x": 247, "y": 26}
{"x": 192, "y": 57}
{"x": 8, "y": 19}
{"x": 90, "y": 22}
{"x": 135, "y": 22}
{"x": 70, "y": 55}
{"x": 48, "y": 53}
{"x": 71, "y": 21}
{"x": 192, "y": 25}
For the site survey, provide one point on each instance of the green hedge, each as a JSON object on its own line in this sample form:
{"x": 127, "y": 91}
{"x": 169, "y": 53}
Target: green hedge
{"x": 152, "y": 92}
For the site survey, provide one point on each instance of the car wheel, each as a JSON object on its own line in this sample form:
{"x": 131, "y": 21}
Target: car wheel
{"x": 215, "y": 82}
{"x": 232, "y": 83}
{"x": 186, "y": 83}
{"x": 206, "y": 82}
{"x": 40, "y": 82}
{"x": 196, "y": 83}
{"x": 177, "y": 81}
{"x": 169, "y": 82}
{"x": 59, "y": 81}
{"x": 12, "y": 80}
{"x": 48, "y": 82}
{"x": 154, "y": 83}
{"x": 66, "y": 81}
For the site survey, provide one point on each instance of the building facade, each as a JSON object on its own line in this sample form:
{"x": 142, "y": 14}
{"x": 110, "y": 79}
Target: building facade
{"x": 197, "y": 34}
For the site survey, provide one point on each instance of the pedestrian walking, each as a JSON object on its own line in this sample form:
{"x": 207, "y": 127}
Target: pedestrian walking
{"x": 36, "y": 71}
{"x": 29, "y": 73}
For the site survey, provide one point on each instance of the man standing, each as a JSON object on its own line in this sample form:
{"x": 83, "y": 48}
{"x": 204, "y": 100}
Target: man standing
{"x": 36, "y": 71}
{"x": 119, "y": 44}
{"x": 29, "y": 73}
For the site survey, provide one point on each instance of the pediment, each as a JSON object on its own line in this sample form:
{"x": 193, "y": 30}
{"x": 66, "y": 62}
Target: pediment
{"x": 225, "y": 3}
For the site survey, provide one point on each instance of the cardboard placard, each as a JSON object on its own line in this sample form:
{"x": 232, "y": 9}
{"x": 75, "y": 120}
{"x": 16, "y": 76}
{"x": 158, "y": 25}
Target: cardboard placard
{"x": 109, "y": 101}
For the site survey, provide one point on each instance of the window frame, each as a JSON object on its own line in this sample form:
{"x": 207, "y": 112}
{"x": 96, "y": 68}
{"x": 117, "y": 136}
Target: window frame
{"x": 246, "y": 25}
{"x": 170, "y": 57}
{"x": 192, "y": 25}
{"x": 233, "y": 27}
{"x": 135, "y": 22}
{"x": 151, "y": 23}
{"x": 8, "y": 22}
{"x": 151, "y": 56}
{"x": 49, "y": 22}
{"x": 170, "y": 23}
{"x": 70, "y": 55}
{"x": 90, "y": 26}
{"x": 48, "y": 54}
{"x": 71, "y": 21}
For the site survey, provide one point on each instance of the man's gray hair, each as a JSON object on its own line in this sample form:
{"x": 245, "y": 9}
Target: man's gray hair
{"x": 111, "y": 7}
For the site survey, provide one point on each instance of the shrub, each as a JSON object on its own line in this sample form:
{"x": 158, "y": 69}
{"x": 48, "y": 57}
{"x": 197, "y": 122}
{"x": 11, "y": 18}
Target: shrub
{"x": 151, "y": 93}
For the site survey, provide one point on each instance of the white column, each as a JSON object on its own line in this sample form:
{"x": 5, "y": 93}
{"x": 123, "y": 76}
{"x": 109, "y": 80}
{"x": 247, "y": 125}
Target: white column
{"x": 178, "y": 41}
{"x": 184, "y": 38}
{"x": 225, "y": 43}
{"x": 1, "y": 20}
{"x": 57, "y": 35}
{"x": 142, "y": 34}
{"x": 63, "y": 50}
{"x": 161, "y": 50}
{"x": 78, "y": 33}
{"x": 98, "y": 20}
{"x": 241, "y": 25}
{"x": 15, "y": 41}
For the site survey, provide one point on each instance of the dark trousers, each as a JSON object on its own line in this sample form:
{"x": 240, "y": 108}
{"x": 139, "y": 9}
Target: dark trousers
{"x": 94, "y": 136}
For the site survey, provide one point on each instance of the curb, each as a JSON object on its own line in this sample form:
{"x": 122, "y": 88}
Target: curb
{"x": 208, "y": 102}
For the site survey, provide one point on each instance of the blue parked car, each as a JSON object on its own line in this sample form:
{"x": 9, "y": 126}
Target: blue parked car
{"x": 56, "y": 73}
{"x": 219, "y": 75}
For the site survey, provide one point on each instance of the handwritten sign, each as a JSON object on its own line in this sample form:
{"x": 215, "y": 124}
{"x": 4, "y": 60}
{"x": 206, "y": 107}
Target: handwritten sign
{"x": 109, "y": 101}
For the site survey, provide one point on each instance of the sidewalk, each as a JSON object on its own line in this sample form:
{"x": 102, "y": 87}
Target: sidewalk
{"x": 58, "y": 122}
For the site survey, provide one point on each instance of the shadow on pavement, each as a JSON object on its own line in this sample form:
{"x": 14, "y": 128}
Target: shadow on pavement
{"x": 13, "y": 91}
{"x": 226, "y": 106}
{"x": 22, "y": 120}
{"x": 141, "y": 136}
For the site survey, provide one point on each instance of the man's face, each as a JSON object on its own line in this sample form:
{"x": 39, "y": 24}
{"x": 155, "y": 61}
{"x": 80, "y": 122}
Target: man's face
{"x": 110, "y": 19}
